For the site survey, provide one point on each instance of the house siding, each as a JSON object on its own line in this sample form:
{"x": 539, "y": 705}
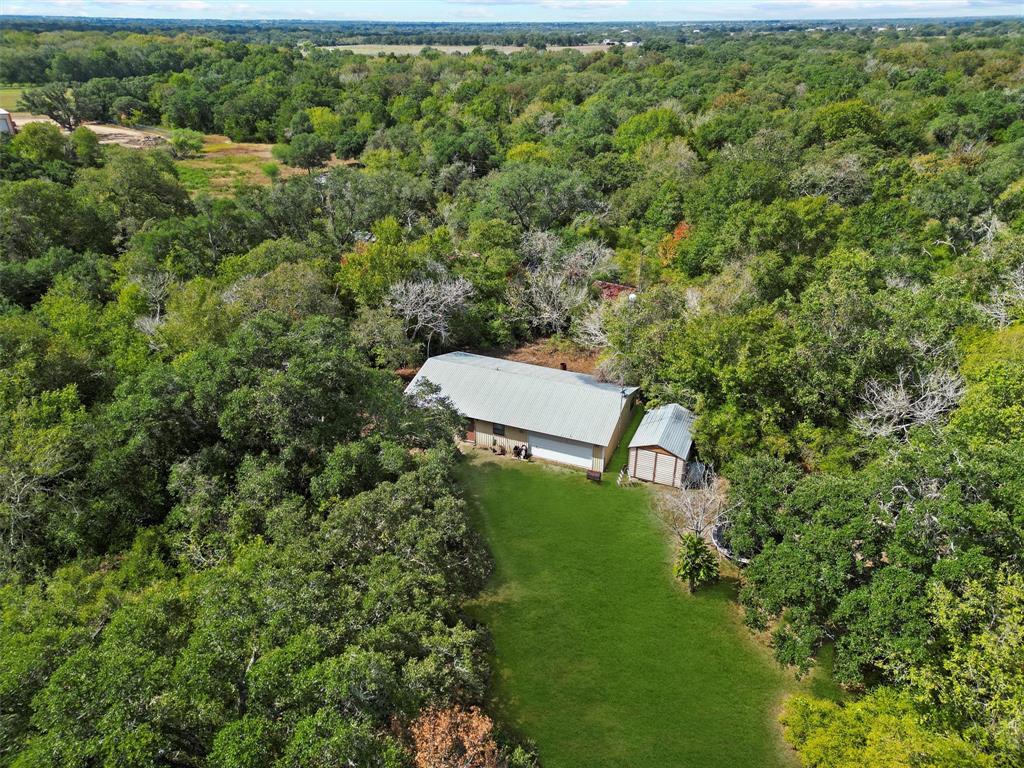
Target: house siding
{"x": 677, "y": 481}
{"x": 485, "y": 437}
{"x": 620, "y": 426}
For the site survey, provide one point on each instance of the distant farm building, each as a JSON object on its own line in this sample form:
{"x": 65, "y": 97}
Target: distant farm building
{"x": 7, "y": 125}
{"x": 662, "y": 446}
{"x": 558, "y": 415}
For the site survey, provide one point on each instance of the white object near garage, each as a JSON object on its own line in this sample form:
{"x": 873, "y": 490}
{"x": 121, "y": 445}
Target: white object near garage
{"x": 561, "y": 450}
{"x": 662, "y": 446}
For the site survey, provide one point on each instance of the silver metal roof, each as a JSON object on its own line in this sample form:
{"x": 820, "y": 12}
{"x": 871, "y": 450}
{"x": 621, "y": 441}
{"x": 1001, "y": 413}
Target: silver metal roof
{"x": 555, "y": 402}
{"x": 668, "y": 427}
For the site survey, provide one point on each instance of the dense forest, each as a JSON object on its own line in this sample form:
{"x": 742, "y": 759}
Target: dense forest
{"x": 229, "y": 540}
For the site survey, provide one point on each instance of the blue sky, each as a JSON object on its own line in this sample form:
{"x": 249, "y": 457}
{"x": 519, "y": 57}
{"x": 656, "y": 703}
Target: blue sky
{"x": 515, "y": 10}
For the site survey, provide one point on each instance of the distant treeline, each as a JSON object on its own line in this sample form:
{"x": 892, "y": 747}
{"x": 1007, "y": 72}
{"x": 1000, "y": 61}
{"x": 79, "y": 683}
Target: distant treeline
{"x": 460, "y": 33}
{"x": 39, "y": 49}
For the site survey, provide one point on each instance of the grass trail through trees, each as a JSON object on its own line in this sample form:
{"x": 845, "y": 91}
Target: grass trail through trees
{"x": 601, "y": 658}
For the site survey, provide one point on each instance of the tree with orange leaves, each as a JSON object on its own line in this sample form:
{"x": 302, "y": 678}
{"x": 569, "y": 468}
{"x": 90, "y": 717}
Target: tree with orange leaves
{"x": 667, "y": 246}
{"x": 455, "y": 738}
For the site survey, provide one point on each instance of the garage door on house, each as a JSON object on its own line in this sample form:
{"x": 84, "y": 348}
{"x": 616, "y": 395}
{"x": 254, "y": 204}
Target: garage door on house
{"x": 562, "y": 450}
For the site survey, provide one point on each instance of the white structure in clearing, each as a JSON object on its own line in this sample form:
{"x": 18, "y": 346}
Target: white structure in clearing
{"x": 7, "y": 124}
{"x": 662, "y": 446}
{"x": 561, "y": 416}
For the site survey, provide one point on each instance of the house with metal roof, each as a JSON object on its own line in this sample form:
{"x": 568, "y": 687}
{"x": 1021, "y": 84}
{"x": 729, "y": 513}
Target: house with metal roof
{"x": 662, "y": 446}
{"x": 557, "y": 415}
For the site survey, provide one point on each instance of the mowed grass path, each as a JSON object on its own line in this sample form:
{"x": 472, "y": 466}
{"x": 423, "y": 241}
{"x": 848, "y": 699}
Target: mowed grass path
{"x": 9, "y": 96}
{"x": 601, "y": 659}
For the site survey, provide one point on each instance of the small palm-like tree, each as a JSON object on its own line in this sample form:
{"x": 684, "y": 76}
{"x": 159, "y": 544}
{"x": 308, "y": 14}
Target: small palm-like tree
{"x": 695, "y": 563}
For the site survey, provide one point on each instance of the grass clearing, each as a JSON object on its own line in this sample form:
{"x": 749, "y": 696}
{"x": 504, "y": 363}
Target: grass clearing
{"x": 621, "y": 455}
{"x": 193, "y": 178}
{"x": 223, "y": 164}
{"x": 9, "y": 96}
{"x": 600, "y": 657}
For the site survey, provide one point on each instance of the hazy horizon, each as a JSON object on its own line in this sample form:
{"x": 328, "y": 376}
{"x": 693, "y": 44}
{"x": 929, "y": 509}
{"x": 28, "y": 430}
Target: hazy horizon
{"x": 516, "y": 11}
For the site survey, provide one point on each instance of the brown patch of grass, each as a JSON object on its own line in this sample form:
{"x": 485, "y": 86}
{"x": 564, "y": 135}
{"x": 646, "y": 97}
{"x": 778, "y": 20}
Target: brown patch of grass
{"x": 550, "y": 353}
{"x": 224, "y": 164}
{"x": 502, "y": 594}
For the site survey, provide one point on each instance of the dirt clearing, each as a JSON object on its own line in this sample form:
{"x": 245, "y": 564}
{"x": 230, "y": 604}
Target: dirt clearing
{"x": 133, "y": 138}
{"x": 550, "y": 354}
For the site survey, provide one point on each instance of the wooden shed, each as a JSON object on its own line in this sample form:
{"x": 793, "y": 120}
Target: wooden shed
{"x": 662, "y": 446}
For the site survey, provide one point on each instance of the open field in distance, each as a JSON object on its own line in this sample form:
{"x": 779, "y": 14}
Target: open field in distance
{"x": 374, "y": 49}
{"x": 9, "y": 97}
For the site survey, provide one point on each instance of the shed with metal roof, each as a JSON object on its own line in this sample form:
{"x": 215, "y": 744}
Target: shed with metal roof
{"x": 662, "y": 446}
{"x": 558, "y": 415}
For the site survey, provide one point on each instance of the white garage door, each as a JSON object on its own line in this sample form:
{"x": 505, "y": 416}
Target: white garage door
{"x": 643, "y": 464}
{"x": 562, "y": 450}
{"x": 665, "y": 470}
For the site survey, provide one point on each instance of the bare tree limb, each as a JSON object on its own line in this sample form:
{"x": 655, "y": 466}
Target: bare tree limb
{"x": 915, "y": 398}
{"x": 697, "y": 510}
{"x": 428, "y": 306}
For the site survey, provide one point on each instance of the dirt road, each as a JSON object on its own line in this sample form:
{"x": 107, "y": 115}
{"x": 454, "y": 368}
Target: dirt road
{"x": 134, "y": 138}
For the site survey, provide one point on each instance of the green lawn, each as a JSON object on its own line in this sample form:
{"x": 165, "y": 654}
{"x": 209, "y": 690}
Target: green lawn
{"x": 9, "y": 97}
{"x": 600, "y": 658}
